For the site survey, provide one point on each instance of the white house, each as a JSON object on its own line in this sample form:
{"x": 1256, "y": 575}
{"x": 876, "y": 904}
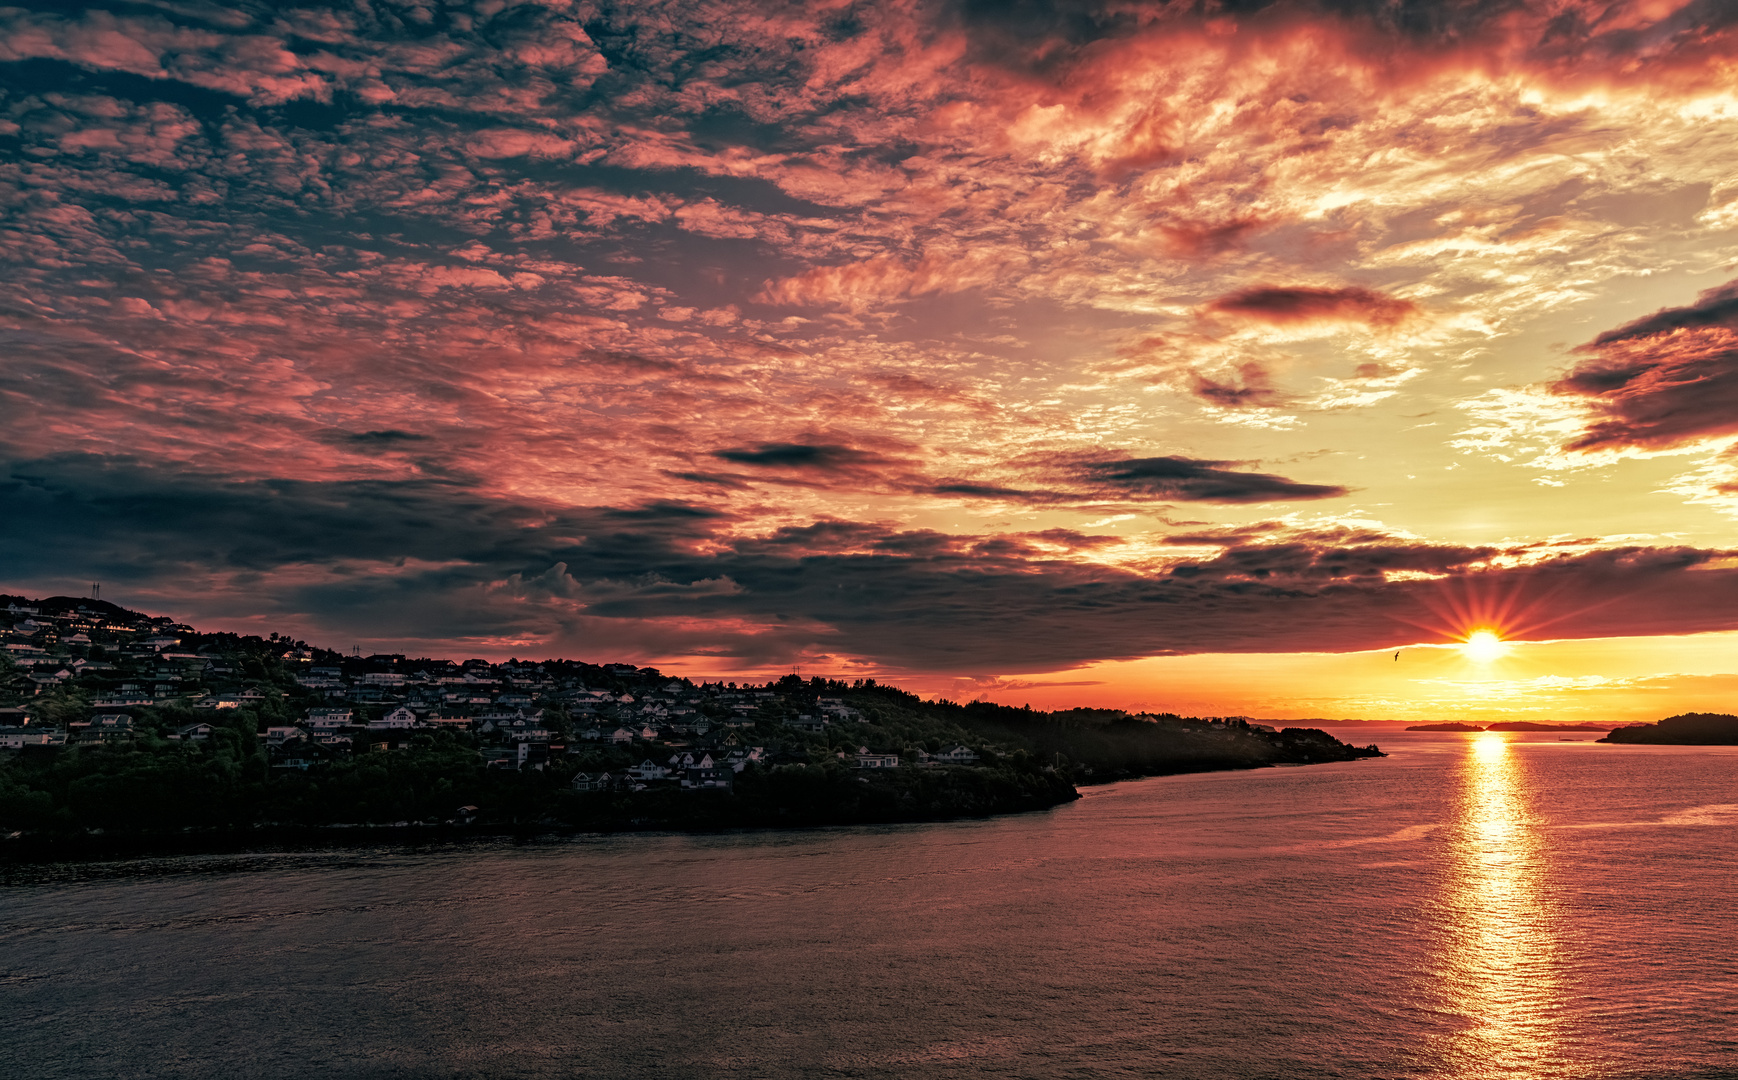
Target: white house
{"x": 329, "y": 718}
{"x": 400, "y": 717}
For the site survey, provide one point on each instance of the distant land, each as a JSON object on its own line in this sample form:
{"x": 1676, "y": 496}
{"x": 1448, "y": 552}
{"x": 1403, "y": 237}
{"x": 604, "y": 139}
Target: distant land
{"x": 1685, "y": 729}
{"x": 118, "y": 728}
{"x": 1511, "y": 725}
{"x": 1322, "y": 721}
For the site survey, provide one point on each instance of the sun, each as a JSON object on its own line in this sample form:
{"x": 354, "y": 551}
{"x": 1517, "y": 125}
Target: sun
{"x": 1484, "y": 646}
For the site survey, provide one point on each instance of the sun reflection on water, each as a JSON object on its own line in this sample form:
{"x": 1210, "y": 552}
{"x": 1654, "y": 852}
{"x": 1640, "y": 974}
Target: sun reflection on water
{"x": 1500, "y": 967}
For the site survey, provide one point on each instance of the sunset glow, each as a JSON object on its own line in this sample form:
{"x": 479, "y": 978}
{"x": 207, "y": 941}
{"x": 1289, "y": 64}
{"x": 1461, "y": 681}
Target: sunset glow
{"x": 981, "y": 349}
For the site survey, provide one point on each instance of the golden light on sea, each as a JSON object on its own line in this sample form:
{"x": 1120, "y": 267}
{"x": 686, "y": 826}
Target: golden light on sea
{"x": 1501, "y": 970}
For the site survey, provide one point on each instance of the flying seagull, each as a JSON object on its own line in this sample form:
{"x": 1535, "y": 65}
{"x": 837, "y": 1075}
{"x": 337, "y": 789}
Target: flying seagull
{"x": 1396, "y": 656}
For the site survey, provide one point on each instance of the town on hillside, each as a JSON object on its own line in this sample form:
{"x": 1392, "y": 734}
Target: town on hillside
{"x": 111, "y": 719}
{"x": 318, "y": 705}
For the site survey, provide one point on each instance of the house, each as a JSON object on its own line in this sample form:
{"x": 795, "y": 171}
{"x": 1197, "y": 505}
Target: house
{"x": 738, "y": 760}
{"x": 716, "y": 779}
{"x": 299, "y": 755}
{"x": 593, "y": 781}
{"x": 959, "y": 755}
{"x": 329, "y": 718}
{"x": 649, "y": 770}
{"x": 107, "y": 728}
{"x": 278, "y": 735}
{"x": 192, "y": 732}
{"x": 532, "y": 755}
{"x": 869, "y": 760}
{"x": 129, "y": 698}
{"x": 17, "y": 738}
{"x": 400, "y": 717}
{"x": 809, "y": 722}
{"x": 621, "y": 735}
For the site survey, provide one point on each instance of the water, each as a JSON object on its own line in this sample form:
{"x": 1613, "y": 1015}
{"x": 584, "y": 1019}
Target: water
{"x": 1472, "y": 906}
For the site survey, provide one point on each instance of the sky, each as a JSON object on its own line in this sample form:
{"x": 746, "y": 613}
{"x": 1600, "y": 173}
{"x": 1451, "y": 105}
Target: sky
{"x": 1194, "y": 356}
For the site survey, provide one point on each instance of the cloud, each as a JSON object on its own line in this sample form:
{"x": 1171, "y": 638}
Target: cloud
{"x": 1102, "y": 478}
{"x": 1248, "y": 385}
{"x": 1289, "y": 306}
{"x": 1664, "y": 380}
{"x": 824, "y": 457}
{"x": 1191, "y": 480}
{"x": 382, "y": 440}
{"x": 423, "y": 561}
{"x": 407, "y": 306}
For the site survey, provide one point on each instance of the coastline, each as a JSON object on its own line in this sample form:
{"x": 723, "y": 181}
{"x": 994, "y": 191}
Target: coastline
{"x": 153, "y": 735}
{"x": 22, "y": 849}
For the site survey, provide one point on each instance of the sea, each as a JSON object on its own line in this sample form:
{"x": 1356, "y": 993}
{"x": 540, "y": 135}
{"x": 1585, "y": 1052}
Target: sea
{"x": 1473, "y": 905}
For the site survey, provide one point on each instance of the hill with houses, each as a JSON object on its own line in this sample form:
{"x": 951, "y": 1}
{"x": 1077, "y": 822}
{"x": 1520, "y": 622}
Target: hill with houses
{"x": 116, "y": 723}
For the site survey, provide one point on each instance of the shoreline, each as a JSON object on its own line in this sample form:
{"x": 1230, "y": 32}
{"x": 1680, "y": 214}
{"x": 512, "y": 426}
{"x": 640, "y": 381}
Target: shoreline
{"x": 107, "y": 846}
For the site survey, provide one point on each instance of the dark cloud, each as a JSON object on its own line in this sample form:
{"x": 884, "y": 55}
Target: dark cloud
{"x": 380, "y": 439}
{"x": 422, "y": 561}
{"x": 823, "y": 456}
{"x": 1191, "y": 480}
{"x": 1041, "y": 36}
{"x": 1713, "y": 307}
{"x": 1664, "y": 380}
{"x": 1284, "y": 306}
{"x": 1252, "y": 387}
{"x": 712, "y": 479}
{"x": 1076, "y": 478}
{"x": 1303, "y": 561}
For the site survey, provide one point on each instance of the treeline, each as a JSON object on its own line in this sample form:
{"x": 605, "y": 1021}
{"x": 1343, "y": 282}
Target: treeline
{"x": 227, "y": 785}
{"x": 1098, "y": 745}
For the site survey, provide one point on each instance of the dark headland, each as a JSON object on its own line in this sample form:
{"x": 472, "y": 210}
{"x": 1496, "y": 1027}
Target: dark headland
{"x": 122, "y": 732}
{"x": 1685, "y": 729}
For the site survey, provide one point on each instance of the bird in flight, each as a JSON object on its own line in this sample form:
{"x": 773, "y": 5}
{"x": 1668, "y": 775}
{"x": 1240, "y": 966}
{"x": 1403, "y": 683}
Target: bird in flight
{"x": 1396, "y": 656}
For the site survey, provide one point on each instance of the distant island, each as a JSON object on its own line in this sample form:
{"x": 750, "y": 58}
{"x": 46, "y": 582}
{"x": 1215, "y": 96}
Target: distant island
{"x": 1510, "y": 725}
{"x": 117, "y": 728}
{"x": 1685, "y": 729}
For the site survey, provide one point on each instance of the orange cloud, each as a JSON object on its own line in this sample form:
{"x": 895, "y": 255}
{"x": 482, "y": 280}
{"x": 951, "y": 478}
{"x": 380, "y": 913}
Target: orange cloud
{"x": 1661, "y": 381}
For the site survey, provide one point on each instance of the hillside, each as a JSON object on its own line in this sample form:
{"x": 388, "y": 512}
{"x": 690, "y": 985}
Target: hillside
{"x": 119, "y": 723}
{"x": 1685, "y": 729}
